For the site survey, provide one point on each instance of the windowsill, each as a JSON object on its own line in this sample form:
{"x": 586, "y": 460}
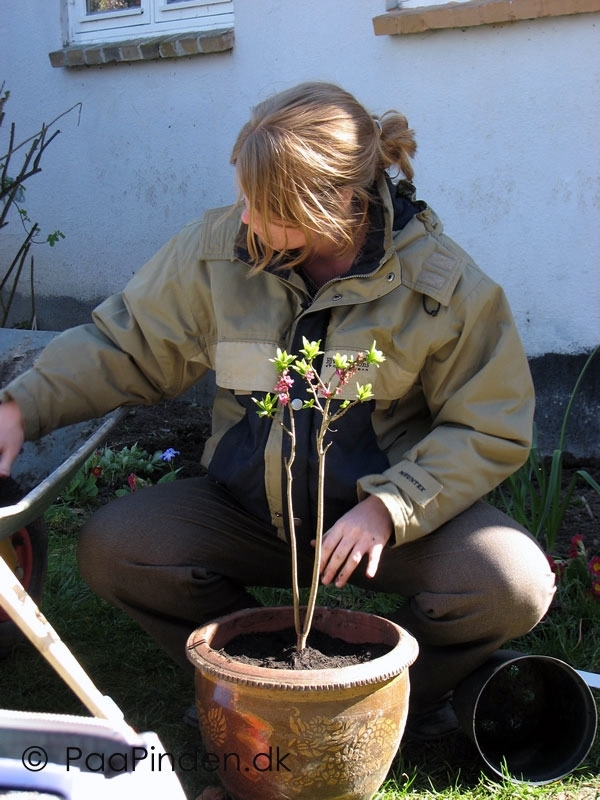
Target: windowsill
{"x": 475, "y": 12}
{"x": 145, "y": 48}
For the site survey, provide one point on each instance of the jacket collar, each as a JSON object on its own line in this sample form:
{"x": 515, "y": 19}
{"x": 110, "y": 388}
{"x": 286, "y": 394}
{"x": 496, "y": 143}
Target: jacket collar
{"x": 400, "y": 227}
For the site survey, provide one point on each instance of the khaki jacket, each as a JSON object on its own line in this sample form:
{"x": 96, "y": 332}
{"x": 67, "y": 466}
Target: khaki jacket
{"x": 453, "y": 409}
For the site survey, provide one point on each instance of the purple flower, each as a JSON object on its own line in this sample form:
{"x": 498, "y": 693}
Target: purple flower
{"x": 169, "y": 454}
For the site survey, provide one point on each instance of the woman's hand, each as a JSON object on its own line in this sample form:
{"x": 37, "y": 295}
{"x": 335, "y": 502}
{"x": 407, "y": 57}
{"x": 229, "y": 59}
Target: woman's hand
{"x": 364, "y": 530}
{"x": 12, "y": 435}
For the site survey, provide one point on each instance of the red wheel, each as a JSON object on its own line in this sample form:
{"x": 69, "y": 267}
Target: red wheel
{"x": 26, "y": 552}
{"x": 19, "y": 549}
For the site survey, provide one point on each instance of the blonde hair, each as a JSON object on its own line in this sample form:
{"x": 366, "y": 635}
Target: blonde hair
{"x": 303, "y": 154}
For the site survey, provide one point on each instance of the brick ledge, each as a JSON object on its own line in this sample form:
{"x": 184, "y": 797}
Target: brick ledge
{"x": 149, "y": 48}
{"x": 475, "y": 12}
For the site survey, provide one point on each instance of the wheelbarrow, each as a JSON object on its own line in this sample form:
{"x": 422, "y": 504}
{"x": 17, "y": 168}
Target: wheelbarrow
{"x": 63, "y": 756}
{"x": 39, "y": 474}
{"x": 71, "y": 757}
{"x": 23, "y": 536}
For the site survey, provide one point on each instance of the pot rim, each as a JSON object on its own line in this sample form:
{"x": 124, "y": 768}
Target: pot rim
{"x": 403, "y": 649}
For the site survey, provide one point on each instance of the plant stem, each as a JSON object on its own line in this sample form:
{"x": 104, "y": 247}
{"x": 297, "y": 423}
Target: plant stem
{"x": 314, "y": 584}
{"x": 17, "y": 264}
{"x": 553, "y": 510}
{"x": 563, "y": 430}
{"x": 319, "y": 391}
{"x": 291, "y": 432}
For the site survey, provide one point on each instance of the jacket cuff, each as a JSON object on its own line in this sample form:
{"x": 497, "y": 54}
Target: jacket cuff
{"x": 406, "y": 490}
{"x": 25, "y": 399}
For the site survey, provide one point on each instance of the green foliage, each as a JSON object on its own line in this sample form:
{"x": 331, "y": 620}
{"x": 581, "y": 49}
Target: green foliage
{"x": 345, "y": 368}
{"x": 28, "y": 224}
{"x": 118, "y": 464}
{"x": 571, "y": 630}
{"x": 534, "y": 495}
{"x": 117, "y": 471}
{"x": 321, "y": 395}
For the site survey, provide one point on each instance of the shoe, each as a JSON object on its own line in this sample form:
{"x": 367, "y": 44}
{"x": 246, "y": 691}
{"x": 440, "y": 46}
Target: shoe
{"x": 190, "y": 717}
{"x": 433, "y": 723}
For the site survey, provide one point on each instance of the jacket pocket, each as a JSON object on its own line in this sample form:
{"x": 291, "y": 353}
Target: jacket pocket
{"x": 245, "y": 367}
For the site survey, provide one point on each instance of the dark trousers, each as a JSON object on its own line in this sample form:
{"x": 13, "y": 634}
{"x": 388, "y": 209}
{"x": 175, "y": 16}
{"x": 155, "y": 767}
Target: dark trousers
{"x": 176, "y": 555}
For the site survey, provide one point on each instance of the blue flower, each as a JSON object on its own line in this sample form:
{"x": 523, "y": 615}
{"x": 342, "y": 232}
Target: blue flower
{"x": 169, "y": 454}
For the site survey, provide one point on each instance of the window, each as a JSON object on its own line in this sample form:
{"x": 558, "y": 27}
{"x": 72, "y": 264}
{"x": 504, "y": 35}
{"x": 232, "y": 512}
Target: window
{"x": 114, "y": 20}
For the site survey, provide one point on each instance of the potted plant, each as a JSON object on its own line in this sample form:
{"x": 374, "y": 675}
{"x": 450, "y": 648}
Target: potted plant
{"x": 295, "y": 732}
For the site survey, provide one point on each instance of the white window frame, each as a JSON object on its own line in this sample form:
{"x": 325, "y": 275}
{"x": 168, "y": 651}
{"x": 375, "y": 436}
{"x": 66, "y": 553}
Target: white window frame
{"x": 152, "y": 18}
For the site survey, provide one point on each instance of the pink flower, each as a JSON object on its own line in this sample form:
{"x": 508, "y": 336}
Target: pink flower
{"x": 577, "y": 547}
{"x": 284, "y": 383}
{"x": 284, "y": 398}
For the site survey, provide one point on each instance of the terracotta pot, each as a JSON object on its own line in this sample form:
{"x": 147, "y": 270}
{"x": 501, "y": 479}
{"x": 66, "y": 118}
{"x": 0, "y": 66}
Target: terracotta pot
{"x": 302, "y": 734}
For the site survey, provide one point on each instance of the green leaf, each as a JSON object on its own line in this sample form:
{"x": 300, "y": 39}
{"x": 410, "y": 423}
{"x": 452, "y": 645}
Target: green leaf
{"x": 374, "y": 356}
{"x": 364, "y": 392}
{"x": 282, "y": 360}
{"x": 267, "y": 406}
{"x": 310, "y": 350}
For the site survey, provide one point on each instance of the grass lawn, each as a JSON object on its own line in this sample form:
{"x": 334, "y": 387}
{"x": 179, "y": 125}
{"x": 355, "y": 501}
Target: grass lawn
{"x": 153, "y": 693}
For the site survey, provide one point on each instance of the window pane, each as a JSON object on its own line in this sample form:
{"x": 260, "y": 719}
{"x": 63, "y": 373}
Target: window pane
{"x": 98, "y": 6}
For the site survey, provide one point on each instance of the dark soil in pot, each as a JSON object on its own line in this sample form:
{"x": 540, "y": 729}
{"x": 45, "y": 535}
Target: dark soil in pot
{"x": 276, "y": 650}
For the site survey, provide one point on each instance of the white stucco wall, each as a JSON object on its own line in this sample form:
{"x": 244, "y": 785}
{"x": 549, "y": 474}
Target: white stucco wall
{"x": 507, "y": 120}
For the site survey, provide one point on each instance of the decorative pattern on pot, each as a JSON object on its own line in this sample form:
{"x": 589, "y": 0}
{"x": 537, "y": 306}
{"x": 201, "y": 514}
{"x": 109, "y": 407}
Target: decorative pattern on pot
{"x": 295, "y": 734}
{"x": 341, "y": 745}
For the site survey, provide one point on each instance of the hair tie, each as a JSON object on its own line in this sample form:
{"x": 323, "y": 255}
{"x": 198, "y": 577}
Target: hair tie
{"x": 378, "y": 125}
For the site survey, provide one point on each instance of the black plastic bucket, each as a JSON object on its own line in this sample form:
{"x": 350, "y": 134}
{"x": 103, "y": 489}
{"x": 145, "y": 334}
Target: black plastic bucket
{"x": 532, "y": 718}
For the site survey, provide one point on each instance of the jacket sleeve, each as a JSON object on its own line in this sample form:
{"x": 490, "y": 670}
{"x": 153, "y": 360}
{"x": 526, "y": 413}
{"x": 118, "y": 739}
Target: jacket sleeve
{"x": 143, "y": 345}
{"x": 479, "y": 392}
